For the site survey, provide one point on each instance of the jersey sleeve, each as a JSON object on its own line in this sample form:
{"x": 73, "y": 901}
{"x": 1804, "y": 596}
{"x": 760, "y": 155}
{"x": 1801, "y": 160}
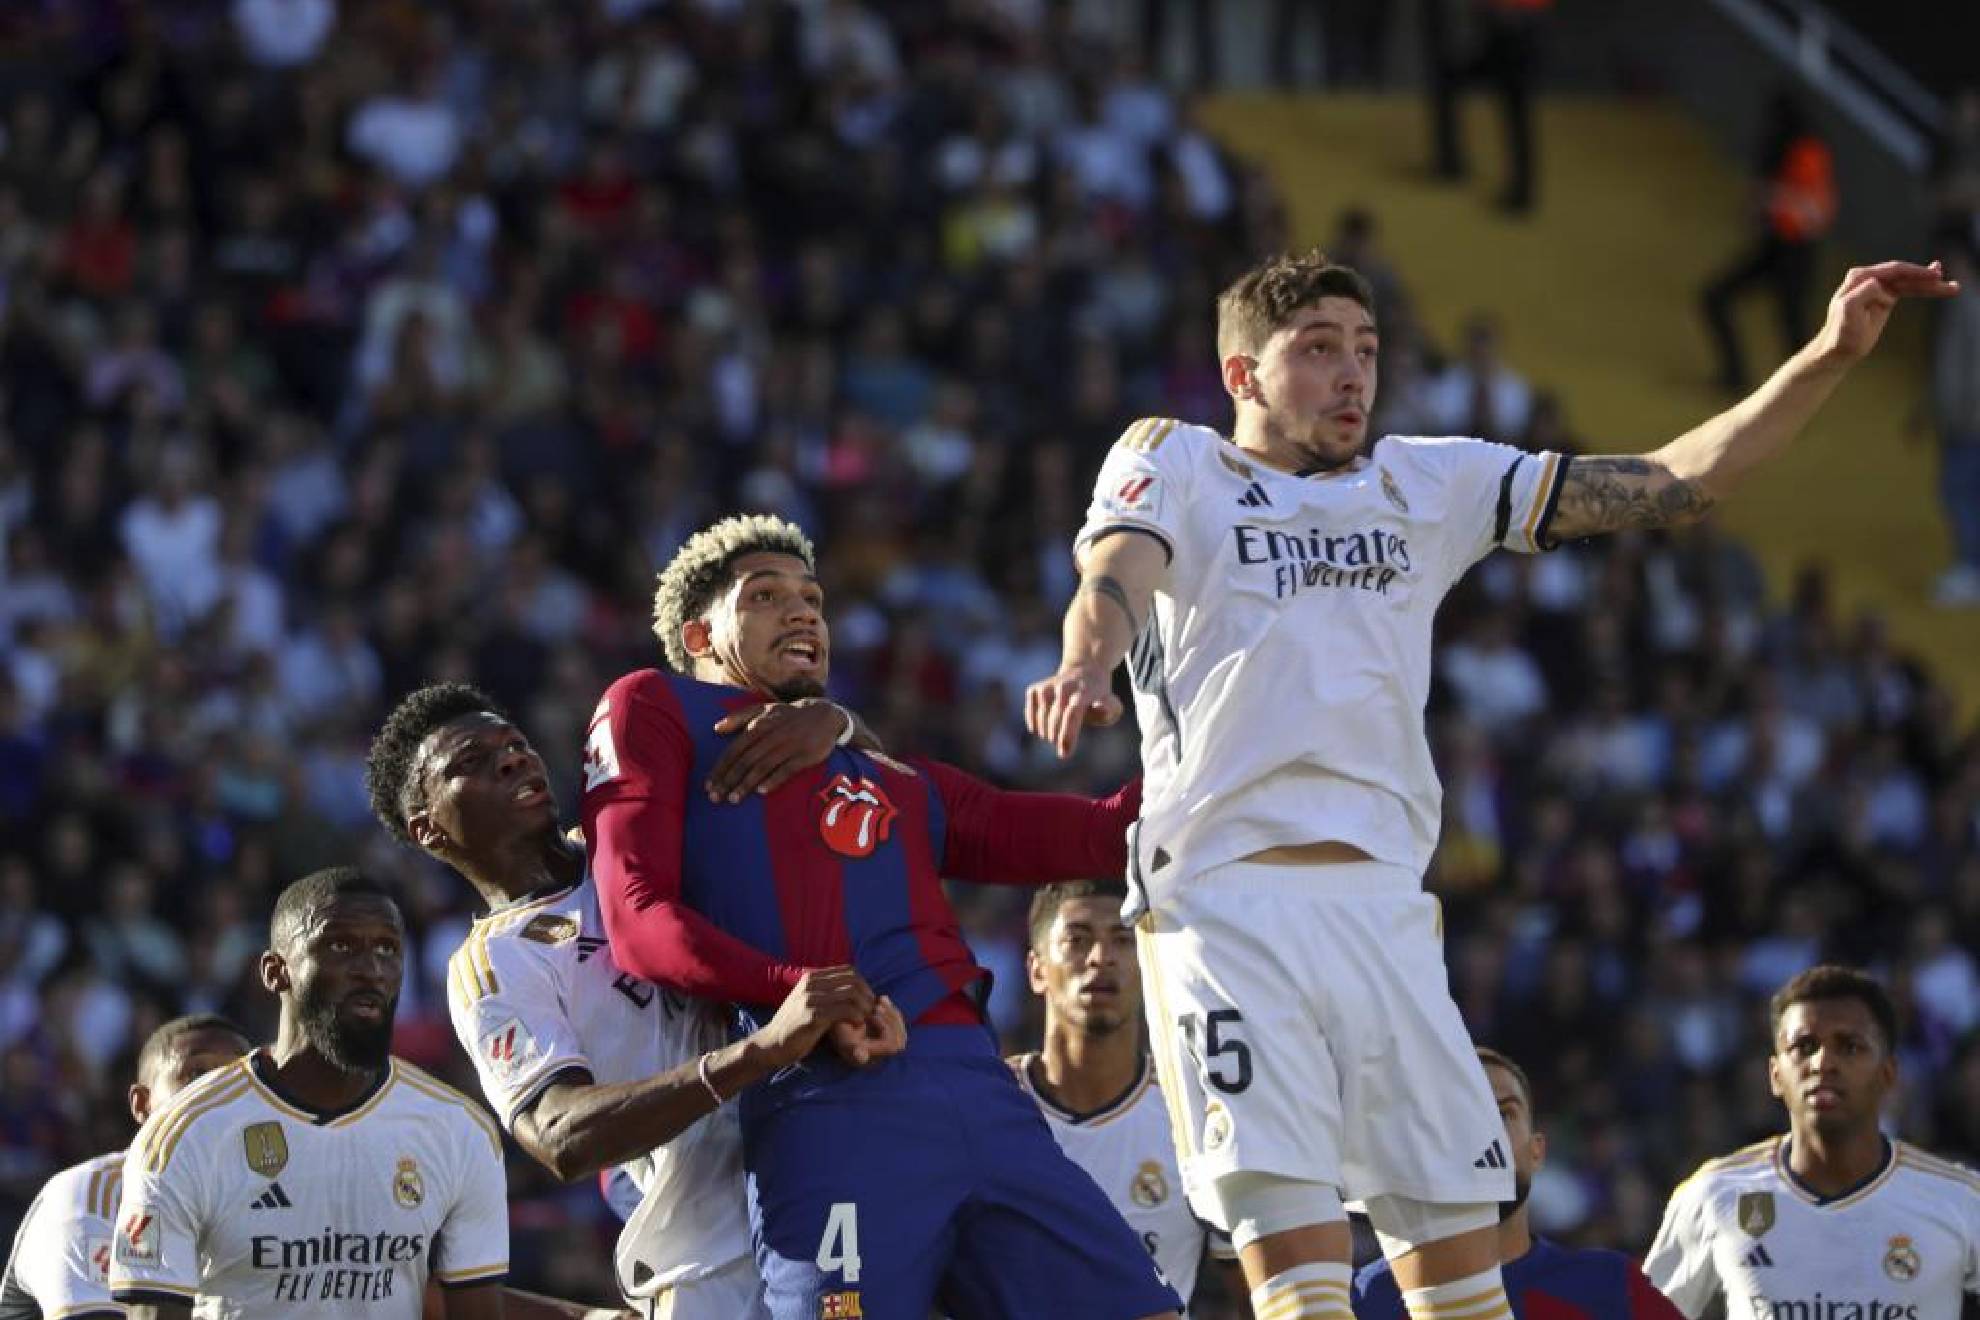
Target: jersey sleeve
{"x": 473, "y": 1241}
{"x": 1497, "y": 497}
{"x": 154, "y": 1254}
{"x": 1645, "y": 1302}
{"x": 1142, "y": 485}
{"x": 1680, "y": 1260}
{"x": 62, "y": 1257}
{"x": 997, "y": 836}
{"x": 508, "y": 1013}
{"x": 1970, "y": 1273}
{"x": 637, "y": 758}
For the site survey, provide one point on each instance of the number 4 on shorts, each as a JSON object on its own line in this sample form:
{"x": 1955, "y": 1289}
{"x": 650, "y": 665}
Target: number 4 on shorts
{"x": 838, "y": 1249}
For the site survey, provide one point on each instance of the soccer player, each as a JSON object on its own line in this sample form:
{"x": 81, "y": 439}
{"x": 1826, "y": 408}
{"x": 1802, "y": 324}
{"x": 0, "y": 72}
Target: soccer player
{"x": 1544, "y": 1281}
{"x": 1277, "y": 590}
{"x": 1834, "y": 1219}
{"x": 589, "y": 1067}
{"x": 60, "y": 1264}
{"x": 317, "y": 1177}
{"x": 1092, "y": 1079}
{"x": 870, "y": 1191}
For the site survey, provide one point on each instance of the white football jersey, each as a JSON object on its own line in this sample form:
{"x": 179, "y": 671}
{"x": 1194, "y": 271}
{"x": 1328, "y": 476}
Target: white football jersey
{"x": 1903, "y": 1246}
{"x": 60, "y": 1264}
{"x": 246, "y": 1202}
{"x": 1129, "y": 1149}
{"x": 534, "y": 993}
{"x": 1281, "y": 681}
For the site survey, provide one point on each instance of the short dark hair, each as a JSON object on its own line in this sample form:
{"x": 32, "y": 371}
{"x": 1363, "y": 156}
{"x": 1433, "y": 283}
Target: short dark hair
{"x": 1270, "y": 294}
{"x": 699, "y": 571}
{"x": 1830, "y": 981}
{"x": 297, "y": 905}
{"x": 396, "y": 793}
{"x": 1046, "y": 902}
{"x": 1492, "y": 1058}
{"x": 160, "y": 1044}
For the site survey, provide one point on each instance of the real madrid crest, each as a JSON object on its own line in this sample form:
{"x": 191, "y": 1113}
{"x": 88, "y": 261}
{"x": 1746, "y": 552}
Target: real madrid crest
{"x": 407, "y": 1189}
{"x": 1150, "y": 1188}
{"x": 1394, "y": 492}
{"x": 1901, "y": 1261}
{"x": 266, "y": 1148}
{"x": 1756, "y": 1212}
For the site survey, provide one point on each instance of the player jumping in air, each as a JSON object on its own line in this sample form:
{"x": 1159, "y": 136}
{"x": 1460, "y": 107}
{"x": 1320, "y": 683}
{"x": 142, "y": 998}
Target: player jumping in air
{"x": 1277, "y": 591}
{"x": 930, "y": 1175}
{"x": 1835, "y": 1218}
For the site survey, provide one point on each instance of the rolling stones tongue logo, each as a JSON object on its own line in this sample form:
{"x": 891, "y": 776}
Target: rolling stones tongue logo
{"x": 856, "y": 817}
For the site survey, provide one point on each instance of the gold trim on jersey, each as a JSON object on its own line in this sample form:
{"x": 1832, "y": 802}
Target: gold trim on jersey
{"x": 470, "y": 1276}
{"x": 1146, "y": 436}
{"x": 1099, "y": 1118}
{"x": 1161, "y": 1025}
{"x": 164, "y": 1142}
{"x": 125, "y": 1283}
{"x": 1543, "y": 492}
{"x": 106, "y": 1184}
{"x": 433, "y": 1088}
{"x": 1758, "y": 1152}
{"x": 470, "y": 972}
{"x": 1925, "y": 1162}
{"x": 282, "y": 1106}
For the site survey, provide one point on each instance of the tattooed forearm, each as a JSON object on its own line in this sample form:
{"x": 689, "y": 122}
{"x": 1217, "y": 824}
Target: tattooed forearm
{"x": 1610, "y": 494}
{"x": 1104, "y": 584}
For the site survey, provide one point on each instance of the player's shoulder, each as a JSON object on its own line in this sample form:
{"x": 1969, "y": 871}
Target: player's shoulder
{"x": 1157, "y": 435}
{"x": 1936, "y": 1172}
{"x": 86, "y": 1190}
{"x": 513, "y": 939}
{"x": 1438, "y": 453}
{"x": 193, "y": 1116}
{"x": 1746, "y": 1167}
{"x": 641, "y": 684}
{"x": 443, "y": 1104}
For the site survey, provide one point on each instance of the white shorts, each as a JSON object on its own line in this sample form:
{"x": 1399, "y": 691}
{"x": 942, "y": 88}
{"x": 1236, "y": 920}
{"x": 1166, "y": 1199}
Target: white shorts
{"x": 734, "y": 1292}
{"x": 1303, "y": 1026}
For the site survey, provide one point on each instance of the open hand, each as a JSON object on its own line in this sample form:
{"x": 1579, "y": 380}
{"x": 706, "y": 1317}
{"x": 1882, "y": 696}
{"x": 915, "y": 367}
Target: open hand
{"x": 1863, "y": 303}
{"x": 773, "y": 742}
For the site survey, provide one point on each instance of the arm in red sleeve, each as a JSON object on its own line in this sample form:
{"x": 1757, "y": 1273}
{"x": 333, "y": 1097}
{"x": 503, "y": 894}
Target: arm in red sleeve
{"x": 996, "y": 836}
{"x": 1646, "y": 1303}
{"x": 636, "y": 765}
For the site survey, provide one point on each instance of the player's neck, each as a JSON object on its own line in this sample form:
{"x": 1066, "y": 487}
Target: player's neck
{"x": 528, "y": 866}
{"x": 1256, "y": 439}
{"x": 1082, "y": 1072}
{"x": 306, "y": 1076}
{"x": 1832, "y": 1163}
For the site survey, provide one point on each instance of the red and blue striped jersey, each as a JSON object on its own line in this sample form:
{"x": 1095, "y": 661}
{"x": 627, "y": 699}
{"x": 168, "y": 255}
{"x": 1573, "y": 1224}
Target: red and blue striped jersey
{"x": 1549, "y": 1282}
{"x": 841, "y": 864}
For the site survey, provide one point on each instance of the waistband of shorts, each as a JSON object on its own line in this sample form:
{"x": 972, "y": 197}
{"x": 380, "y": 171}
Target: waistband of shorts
{"x": 1370, "y": 879}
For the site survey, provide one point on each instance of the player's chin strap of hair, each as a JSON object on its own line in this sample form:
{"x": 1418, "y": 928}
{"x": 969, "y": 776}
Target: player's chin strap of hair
{"x": 1105, "y": 584}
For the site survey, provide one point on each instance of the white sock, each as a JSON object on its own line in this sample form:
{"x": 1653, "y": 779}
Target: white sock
{"x": 1478, "y": 1297}
{"x": 1306, "y": 1292}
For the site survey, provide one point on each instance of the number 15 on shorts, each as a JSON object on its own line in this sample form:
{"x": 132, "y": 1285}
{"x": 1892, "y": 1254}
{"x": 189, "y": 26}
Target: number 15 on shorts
{"x": 1216, "y": 1041}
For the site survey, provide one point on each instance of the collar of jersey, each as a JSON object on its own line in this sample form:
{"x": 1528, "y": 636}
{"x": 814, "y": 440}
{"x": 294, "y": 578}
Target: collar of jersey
{"x": 1092, "y": 1118}
{"x": 531, "y": 899}
{"x": 1863, "y": 1187}
{"x": 261, "y": 1069}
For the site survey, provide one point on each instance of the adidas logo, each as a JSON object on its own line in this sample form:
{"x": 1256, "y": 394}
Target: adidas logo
{"x": 1493, "y": 1158}
{"x": 1254, "y": 497}
{"x": 1757, "y": 1257}
{"x": 272, "y": 1199}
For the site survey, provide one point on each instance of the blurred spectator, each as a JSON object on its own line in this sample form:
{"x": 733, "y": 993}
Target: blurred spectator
{"x": 1506, "y": 54}
{"x": 1795, "y": 179}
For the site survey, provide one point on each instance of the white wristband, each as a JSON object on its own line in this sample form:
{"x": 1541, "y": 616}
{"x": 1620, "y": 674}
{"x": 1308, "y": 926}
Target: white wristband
{"x": 701, "y": 1071}
{"x": 852, "y": 725}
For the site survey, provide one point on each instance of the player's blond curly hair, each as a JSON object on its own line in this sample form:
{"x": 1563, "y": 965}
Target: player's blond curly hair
{"x": 700, "y": 570}
{"x": 1271, "y": 293}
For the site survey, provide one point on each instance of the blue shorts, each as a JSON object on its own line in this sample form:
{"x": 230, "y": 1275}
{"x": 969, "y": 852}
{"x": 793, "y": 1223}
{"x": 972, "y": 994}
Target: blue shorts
{"x": 931, "y": 1180}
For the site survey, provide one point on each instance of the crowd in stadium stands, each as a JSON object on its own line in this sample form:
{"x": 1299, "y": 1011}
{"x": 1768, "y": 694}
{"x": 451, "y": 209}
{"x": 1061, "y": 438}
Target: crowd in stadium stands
{"x": 349, "y": 346}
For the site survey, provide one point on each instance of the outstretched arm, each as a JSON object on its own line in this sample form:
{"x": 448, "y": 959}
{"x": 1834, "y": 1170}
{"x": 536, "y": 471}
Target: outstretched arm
{"x": 1118, "y": 576}
{"x": 1685, "y": 478}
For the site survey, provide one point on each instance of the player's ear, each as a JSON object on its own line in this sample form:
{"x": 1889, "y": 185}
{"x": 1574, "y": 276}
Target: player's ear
{"x": 1241, "y": 376}
{"x": 426, "y": 831}
{"x": 1774, "y": 1077}
{"x": 698, "y": 637}
{"x": 139, "y": 1099}
{"x": 274, "y": 972}
{"x": 1034, "y": 971}
{"x": 1537, "y": 1143}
